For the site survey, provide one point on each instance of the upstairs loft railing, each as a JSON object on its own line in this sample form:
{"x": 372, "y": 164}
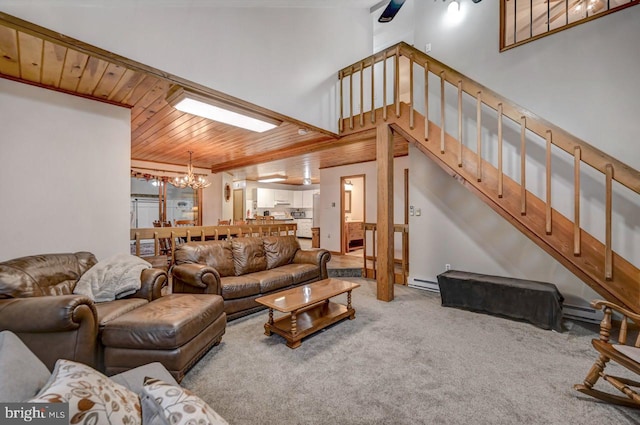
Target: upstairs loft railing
{"x": 487, "y": 164}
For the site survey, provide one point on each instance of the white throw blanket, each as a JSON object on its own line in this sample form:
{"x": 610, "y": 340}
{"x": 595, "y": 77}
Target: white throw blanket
{"x": 111, "y": 278}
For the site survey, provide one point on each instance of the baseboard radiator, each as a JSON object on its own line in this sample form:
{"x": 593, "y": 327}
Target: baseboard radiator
{"x": 582, "y": 313}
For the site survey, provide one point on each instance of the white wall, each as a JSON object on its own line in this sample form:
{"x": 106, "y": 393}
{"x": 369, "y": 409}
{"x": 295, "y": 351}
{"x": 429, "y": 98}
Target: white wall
{"x": 284, "y": 59}
{"x": 64, "y": 173}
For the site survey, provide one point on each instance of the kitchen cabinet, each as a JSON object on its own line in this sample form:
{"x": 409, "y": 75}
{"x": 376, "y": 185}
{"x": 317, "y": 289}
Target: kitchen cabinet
{"x": 266, "y": 197}
{"x": 304, "y": 227}
{"x": 307, "y": 198}
{"x": 297, "y": 199}
{"x": 282, "y": 197}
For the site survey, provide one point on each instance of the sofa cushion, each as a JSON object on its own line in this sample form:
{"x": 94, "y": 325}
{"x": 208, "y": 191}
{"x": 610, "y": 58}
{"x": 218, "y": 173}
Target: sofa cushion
{"x": 239, "y": 286}
{"x": 23, "y": 374}
{"x": 248, "y": 255}
{"x": 301, "y": 272}
{"x": 176, "y": 405}
{"x": 216, "y": 254}
{"x": 92, "y": 397}
{"x": 270, "y": 280}
{"x": 134, "y": 378}
{"x": 280, "y": 250}
{"x": 41, "y": 275}
{"x": 114, "y": 309}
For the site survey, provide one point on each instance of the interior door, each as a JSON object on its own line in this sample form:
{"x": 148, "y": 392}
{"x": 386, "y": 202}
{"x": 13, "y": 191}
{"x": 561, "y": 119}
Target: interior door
{"x": 238, "y": 204}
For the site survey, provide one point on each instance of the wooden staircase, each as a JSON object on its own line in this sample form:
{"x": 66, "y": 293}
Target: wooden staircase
{"x": 592, "y": 260}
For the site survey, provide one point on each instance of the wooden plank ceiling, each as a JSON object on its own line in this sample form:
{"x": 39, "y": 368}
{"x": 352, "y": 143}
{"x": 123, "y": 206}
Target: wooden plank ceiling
{"x": 160, "y": 133}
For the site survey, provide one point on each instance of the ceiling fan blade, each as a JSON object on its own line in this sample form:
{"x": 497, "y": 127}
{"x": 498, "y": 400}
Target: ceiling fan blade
{"x": 391, "y": 10}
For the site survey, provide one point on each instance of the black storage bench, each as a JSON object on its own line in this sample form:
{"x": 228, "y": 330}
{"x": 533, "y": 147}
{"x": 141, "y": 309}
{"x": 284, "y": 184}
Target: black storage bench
{"x": 539, "y": 303}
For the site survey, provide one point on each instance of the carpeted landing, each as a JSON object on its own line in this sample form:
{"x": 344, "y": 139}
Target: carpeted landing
{"x": 409, "y": 361}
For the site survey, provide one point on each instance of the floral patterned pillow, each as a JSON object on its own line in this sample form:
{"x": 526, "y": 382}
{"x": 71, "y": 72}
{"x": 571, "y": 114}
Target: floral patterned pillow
{"x": 178, "y": 405}
{"x": 93, "y": 398}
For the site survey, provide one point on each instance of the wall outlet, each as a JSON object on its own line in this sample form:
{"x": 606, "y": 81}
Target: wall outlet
{"x": 328, "y": 236}
{"x": 447, "y": 267}
{"x": 427, "y": 47}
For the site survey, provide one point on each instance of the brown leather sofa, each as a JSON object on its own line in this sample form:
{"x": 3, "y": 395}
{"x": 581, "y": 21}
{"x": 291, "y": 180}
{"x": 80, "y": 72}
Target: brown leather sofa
{"x": 37, "y": 303}
{"x": 243, "y": 269}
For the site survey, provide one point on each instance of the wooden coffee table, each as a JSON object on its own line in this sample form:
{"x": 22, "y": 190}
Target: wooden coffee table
{"x": 309, "y": 309}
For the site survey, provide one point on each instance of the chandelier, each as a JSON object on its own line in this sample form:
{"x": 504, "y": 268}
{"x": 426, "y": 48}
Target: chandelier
{"x": 190, "y": 179}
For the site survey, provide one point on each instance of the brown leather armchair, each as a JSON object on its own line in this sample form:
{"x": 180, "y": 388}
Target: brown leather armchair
{"x": 37, "y": 303}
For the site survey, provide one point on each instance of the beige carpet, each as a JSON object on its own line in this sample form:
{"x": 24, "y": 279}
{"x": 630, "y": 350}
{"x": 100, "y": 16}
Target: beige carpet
{"x": 410, "y": 361}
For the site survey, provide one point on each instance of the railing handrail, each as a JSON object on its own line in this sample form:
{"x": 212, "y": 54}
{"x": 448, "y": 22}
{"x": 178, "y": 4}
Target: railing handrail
{"x": 594, "y": 157}
{"x": 208, "y": 231}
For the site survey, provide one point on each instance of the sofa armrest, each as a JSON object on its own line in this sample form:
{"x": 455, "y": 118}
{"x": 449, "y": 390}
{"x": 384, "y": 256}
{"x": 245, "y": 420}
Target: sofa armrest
{"x": 152, "y": 282}
{"x": 47, "y": 314}
{"x": 196, "y": 279}
{"x": 53, "y": 327}
{"x": 319, "y": 257}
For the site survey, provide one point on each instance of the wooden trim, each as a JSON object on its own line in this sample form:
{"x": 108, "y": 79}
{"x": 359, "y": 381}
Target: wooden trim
{"x": 341, "y": 123}
{"x": 361, "y": 94}
{"x": 396, "y": 77}
{"x": 351, "y": 100}
{"x": 373, "y": 91}
{"x": 384, "y": 86}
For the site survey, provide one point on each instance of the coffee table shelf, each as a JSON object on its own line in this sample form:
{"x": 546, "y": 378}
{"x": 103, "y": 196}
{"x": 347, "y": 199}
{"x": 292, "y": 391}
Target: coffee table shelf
{"x": 309, "y": 309}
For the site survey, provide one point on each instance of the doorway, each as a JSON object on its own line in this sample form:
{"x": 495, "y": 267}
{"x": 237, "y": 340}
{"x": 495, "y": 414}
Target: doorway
{"x": 352, "y": 214}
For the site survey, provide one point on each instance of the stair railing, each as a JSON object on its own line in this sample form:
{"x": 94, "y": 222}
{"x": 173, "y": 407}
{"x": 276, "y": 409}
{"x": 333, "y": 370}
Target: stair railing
{"x": 610, "y": 169}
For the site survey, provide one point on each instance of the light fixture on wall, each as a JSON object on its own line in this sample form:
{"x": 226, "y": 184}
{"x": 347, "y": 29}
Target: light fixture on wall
{"x": 454, "y": 7}
{"x": 272, "y": 179}
{"x": 306, "y": 181}
{"x": 348, "y": 185}
{"x": 190, "y": 179}
{"x": 217, "y": 110}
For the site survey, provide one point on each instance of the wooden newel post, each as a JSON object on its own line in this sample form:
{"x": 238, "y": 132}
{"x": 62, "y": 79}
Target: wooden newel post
{"x": 384, "y": 159}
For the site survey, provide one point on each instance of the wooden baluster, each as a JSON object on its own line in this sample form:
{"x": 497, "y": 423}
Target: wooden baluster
{"x": 577, "y": 153}
{"x": 156, "y": 244}
{"x": 294, "y": 323}
{"x": 397, "y": 81}
{"x": 137, "y": 239}
{"x": 351, "y": 99}
{"x": 373, "y": 90}
{"x": 608, "y": 258}
{"x": 216, "y": 235}
{"x": 202, "y": 235}
{"x": 479, "y": 136}
{"x": 341, "y": 123}
{"x": 374, "y": 258}
{"x": 548, "y": 172}
{"x": 384, "y": 85}
{"x": 500, "y": 174}
{"x": 460, "y": 122}
{"x": 188, "y": 235}
{"x": 173, "y": 247}
{"x": 411, "y": 100}
{"x": 426, "y": 101}
{"x": 442, "y": 104}
{"x": 523, "y": 153}
{"x": 228, "y": 233}
{"x": 622, "y": 336}
{"x": 362, "y": 94}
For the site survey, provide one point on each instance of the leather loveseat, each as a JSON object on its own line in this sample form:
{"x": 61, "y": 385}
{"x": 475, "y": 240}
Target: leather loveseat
{"x": 37, "y": 303}
{"x": 243, "y": 269}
